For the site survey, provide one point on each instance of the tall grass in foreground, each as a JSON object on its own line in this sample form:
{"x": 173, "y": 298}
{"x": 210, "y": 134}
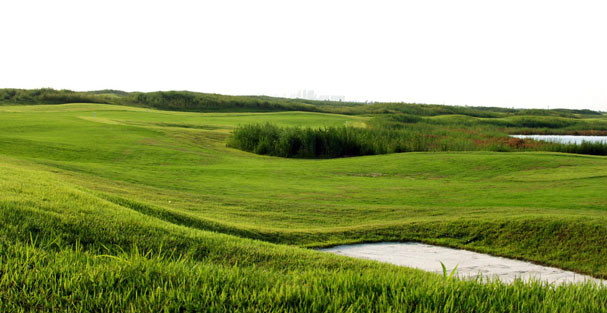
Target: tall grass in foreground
{"x": 43, "y": 277}
{"x": 344, "y": 141}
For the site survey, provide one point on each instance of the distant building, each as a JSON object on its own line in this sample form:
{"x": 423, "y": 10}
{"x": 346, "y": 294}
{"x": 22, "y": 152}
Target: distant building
{"x": 310, "y": 94}
{"x": 331, "y": 98}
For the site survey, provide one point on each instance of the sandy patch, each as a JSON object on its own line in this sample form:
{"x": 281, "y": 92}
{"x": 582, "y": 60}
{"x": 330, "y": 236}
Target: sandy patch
{"x": 470, "y": 264}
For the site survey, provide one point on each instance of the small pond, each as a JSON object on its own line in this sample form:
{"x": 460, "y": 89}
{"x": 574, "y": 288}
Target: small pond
{"x": 470, "y": 264}
{"x": 564, "y": 138}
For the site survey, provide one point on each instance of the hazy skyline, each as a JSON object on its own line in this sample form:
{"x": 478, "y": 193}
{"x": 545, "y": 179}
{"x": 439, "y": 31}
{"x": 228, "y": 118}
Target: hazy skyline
{"x": 533, "y": 54}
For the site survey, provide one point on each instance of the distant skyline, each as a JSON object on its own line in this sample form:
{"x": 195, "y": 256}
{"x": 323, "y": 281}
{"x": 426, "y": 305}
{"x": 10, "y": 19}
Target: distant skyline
{"x": 523, "y": 54}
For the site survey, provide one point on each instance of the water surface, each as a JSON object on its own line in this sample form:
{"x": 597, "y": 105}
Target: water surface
{"x": 564, "y": 138}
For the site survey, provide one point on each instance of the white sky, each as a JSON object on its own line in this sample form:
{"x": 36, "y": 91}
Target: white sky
{"x": 493, "y": 53}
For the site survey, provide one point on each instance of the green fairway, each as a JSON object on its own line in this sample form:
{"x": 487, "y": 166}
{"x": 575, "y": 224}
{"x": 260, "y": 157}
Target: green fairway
{"x": 115, "y": 191}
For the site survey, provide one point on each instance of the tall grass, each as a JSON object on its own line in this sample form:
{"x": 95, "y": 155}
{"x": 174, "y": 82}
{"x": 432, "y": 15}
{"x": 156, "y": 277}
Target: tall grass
{"x": 594, "y": 148}
{"x": 70, "y": 279}
{"x": 334, "y": 142}
{"x": 329, "y": 142}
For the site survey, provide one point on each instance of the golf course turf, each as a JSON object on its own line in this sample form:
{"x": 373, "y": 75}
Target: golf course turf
{"x": 129, "y": 209}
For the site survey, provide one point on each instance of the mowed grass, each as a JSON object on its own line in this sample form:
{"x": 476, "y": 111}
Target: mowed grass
{"x": 151, "y": 209}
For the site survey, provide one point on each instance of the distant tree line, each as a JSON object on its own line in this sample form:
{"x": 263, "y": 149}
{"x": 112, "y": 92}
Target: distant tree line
{"x": 514, "y": 124}
{"x": 208, "y": 102}
{"x": 49, "y": 96}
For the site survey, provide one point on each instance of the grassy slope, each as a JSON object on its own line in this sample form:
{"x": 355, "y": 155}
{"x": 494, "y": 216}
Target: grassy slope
{"x": 81, "y": 258}
{"x": 133, "y": 176}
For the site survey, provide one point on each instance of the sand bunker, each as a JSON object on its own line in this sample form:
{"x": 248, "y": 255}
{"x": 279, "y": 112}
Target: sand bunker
{"x": 470, "y": 264}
